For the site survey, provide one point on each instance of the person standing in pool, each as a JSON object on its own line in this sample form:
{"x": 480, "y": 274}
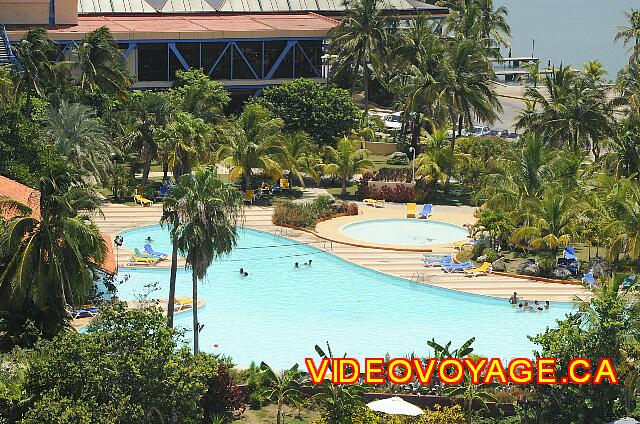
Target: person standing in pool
{"x": 296, "y": 265}
{"x": 148, "y": 239}
{"x": 514, "y": 299}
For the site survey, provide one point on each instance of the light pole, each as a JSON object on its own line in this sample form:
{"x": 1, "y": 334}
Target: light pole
{"x": 413, "y": 164}
{"x": 118, "y": 242}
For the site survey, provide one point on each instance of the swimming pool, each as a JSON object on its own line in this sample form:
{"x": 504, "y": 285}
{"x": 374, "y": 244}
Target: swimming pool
{"x": 278, "y": 313}
{"x": 405, "y": 231}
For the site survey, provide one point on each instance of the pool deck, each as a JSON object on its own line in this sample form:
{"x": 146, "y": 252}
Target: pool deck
{"x": 404, "y": 264}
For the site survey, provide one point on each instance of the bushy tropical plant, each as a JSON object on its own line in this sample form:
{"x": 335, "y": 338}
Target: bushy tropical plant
{"x": 345, "y": 161}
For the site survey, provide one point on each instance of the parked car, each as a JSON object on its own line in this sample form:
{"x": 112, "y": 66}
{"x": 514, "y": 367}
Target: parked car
{"x": 393, "y": 122}
{"x": 513, "y": 136}
{"x": 463, "y": 133}
{"x": 479, "y": 130}
{"x": 499, "y": 133}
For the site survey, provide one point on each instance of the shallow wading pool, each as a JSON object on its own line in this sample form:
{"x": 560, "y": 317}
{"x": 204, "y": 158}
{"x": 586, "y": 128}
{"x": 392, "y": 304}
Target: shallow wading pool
{"x": 405, "y": 231}
{"x": 278, "y": 313}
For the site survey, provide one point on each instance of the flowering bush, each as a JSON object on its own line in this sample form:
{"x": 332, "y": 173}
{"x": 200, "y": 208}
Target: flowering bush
{"x": 397, "y": 194}
{"x": 306, "y": 215}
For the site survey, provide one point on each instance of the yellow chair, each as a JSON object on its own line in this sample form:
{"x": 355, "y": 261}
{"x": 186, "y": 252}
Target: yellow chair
{"x": 485, "y": 268}
{"x": 142, "y": 200}
{"x": 249, "y": 195}
{"x": 183, "y": 303}
{"x": 138, "y": 260}
{"x": 370, "y": 202}
{"x": 460, "y": 245}
{"x": 411, "y": 210}
{"x": 380, "y": 203}
{"x": 284, "y": 184}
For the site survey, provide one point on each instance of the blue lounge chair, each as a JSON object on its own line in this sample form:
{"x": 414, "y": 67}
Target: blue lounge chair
{"x": 80, "y": 313}
{"x": 435, "y": 255}
{"x": 277, "y": 188}
{"x": 437, "y": 261}
{"x": 589, "y": 279}
{"x": 570, "y": 253}
{"x": 149, "y": 250}
{"x": 629, "y": 281}
{"x": 426, "y": 211}
{"x": 164, "y": 192}
{"x": 451, "y": 267}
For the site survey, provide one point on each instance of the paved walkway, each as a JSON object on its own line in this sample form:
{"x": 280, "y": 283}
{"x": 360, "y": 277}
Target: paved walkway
{"x": 407, "y": 265}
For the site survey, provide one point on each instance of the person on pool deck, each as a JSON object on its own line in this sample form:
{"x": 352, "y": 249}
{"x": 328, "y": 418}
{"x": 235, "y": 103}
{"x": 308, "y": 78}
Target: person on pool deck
{"x": 514, "y": 299}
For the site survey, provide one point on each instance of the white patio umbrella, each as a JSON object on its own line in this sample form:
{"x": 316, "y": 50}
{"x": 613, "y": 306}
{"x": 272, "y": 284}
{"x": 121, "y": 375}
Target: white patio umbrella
{"x": 626, "y": 420}
{"x": 395, "y": 406}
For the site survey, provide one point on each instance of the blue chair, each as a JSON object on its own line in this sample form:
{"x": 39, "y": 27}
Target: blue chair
{"x": 277, "y": 188}
{"x": 451, "y": 267}
{"x": 149, "y": 250}
{"x": 629, "y": 281}
{"x": 570, "y": 264}
{"x": 437, "y": 261}
{"x": 426, "y": 211}
{"x": 589, "y": 279}
{"x": 570, "y": 253}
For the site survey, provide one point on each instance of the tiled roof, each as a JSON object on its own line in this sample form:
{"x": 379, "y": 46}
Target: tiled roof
{"x": 242, "y": 6}
{"x": 31, "y": 197}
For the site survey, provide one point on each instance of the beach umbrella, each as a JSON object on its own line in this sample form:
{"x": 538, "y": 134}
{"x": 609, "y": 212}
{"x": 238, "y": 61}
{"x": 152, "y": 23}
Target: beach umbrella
{"x": 625, "y": 420}
{"x": 394, "y": 406}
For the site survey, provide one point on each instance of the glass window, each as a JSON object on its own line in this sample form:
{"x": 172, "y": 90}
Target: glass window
{"x": 153, "y": 62}
{"x": 252, "y": 50}
{"x": 190, "y": 53}
{"x": 210, "y": 54}
{"x": 309, "y": 59}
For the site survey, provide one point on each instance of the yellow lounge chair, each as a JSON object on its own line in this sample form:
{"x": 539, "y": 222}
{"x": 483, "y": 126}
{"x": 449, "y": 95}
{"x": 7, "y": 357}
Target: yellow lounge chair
{"x": 411, "y": 210}
{"x": 180, "y": 304}
{"x": 138, "y": 198}
{"x": 138, "y": 260}
{"x": 485, "y": 268}
{"x": 249, "y": 195}
{"x": 284, "y": 184}
{"x": 460, "y": 245}
{"x": 380, "y": 203}
{"x": 370, "y": 202}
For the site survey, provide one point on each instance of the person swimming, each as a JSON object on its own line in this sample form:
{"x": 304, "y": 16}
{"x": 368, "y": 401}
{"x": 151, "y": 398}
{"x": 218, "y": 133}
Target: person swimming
{"x": 526, "y": 305}
{"x": 546, "y": 305}
{"x": 307, "y": 263}
{"x": 514, "y": 299}
{"x": 536, "y": 305}
{"x": 241, "y": 271}
{"x": 148, "y": 239}
{"x": 246, "y": 274}
{"x": 296, "y": 265}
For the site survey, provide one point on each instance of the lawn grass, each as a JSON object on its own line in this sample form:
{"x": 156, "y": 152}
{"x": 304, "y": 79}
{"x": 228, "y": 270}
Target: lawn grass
{"x": 380, "y": 161}
{"x": 268, "y": 413}
{"x": 351, "y": 192}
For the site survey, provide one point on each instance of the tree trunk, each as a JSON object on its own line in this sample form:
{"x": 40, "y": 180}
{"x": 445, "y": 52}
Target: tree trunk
{"x": 165, "y": 169}
{"x": 196, "y": 331}
{"x": 172, "y": 284}
{"x": 344, "y": 188}
{"x": 415, "y": 132}
{"x": 355, "y": 77}
{"x": 146, "y": 169}
{"x": 454, "y": 121}
{"x": 366, "y": 91}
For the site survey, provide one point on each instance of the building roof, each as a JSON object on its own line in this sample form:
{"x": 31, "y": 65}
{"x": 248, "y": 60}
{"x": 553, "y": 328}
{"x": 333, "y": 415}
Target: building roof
{"x": 31, "y": 197}
{"x": 243, "y": 6}
{"x": 161, "y": 27}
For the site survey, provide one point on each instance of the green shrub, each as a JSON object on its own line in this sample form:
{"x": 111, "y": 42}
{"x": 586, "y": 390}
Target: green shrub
{"x": 491, "y": 254}
{"x": 465, "y": 255}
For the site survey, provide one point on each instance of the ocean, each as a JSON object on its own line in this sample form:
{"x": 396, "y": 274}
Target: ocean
{"x": 569, "y": 31}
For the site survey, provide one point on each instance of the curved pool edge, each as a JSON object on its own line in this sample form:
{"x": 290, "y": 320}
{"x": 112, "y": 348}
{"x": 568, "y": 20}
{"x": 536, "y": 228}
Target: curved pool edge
{"x": 365, "y": 268}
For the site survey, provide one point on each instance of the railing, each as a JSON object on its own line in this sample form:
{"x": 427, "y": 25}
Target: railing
{"x": 7, "y": 45}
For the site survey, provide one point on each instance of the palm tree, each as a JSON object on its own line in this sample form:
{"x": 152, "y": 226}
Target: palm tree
{"x": 100, "y": 64}
{"x": 466, "y": 88}
{"x": 360, "y": 40}
{"x": 208, "y": 211}
{"x": 345, "y": 161}
{"x": 153, "y": 111}
{"x": 548, "y": 221}
{"x": 297, "y": 156}
{"x": 575, "y": 111}
{"x": 187, "y": 139}
{"x": 37, "y": 55}
{"x": 631, "y": 34}
{"x": 283, "y": 387}
{"x": 79, "y": 137}
{"x": 594, "y": 71}
{"x": 623, "y": 156}
{"x": 628, "y": 85}
{"x": 49, "y": 256}
{"x": 622, "y": 197}
{"x": 437, "y": 161}
{"x": 254, "y": 144}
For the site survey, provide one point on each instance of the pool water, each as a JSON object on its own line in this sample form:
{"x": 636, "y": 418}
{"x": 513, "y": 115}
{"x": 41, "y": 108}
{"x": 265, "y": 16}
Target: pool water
{"x": 405, "y": 231}
{"x": 279, "y": 313}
